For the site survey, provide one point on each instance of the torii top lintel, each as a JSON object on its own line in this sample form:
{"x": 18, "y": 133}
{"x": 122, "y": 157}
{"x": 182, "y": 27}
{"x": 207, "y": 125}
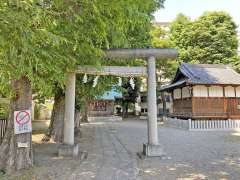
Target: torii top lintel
{"x": 142, "y": 53}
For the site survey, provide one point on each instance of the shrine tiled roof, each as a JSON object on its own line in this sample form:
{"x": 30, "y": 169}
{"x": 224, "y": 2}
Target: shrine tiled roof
{"x": 204, "y": 74}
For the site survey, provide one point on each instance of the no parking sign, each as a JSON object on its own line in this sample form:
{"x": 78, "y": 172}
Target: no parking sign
{"x": 22, "y": 122}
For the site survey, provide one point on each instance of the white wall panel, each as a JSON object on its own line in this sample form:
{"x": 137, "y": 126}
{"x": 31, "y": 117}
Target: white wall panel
{"x": 215, "y": 91}
{"x": 177, "y": 93}
{"x": 238, "y": 91}
{"x": 200, "y": 91}
{"x": 229, "y": 91}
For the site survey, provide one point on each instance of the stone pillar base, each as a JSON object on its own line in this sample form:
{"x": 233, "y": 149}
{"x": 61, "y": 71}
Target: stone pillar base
{"x": 153, "y": 150}
{"x": 65, "y": 150}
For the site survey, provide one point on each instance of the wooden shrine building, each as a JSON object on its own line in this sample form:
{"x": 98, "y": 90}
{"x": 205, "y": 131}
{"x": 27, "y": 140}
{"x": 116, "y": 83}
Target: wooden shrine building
{"x": 105, "y": 104}
{"x": 205, "y": 91}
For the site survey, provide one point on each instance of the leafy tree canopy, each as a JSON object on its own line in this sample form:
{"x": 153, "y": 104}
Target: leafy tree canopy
{"x": 212, "y": 38}
{"x": 42, "y": 39}
{"x": 160, "y": 38}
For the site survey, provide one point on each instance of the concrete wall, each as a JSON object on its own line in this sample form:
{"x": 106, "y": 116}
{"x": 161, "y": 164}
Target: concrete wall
{"x": 178, "y": 123}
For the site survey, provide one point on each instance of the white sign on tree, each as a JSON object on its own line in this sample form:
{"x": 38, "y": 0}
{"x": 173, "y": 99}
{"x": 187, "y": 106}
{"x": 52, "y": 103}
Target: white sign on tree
{"x": 22, "y": 122}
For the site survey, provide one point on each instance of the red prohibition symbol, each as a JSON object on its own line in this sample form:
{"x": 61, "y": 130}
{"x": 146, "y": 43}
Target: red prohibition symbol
{"x": 22, "y": 117}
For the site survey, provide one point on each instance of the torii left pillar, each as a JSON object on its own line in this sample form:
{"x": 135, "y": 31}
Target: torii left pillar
{"x": 69, "y": 148}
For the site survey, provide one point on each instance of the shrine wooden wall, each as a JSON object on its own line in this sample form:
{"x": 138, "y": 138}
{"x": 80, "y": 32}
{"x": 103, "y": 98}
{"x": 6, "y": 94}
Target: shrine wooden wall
{"x": 210, "y": 102}
{"x": 182, "y": 107}
{"x": 207, "y": 107}
{"x": 216, "y": 107}
{"x": 101, "y": 108}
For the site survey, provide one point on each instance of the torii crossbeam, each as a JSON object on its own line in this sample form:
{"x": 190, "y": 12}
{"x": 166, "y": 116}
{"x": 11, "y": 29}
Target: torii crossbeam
{"x": 123, "y": 71}
{"x": 152, "y": 147}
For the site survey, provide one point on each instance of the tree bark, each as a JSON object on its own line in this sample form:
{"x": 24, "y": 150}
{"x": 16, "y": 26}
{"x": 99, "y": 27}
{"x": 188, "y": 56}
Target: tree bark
{"x": 12, "y": 157}
{"x": 77, "y": 119}
{"x": 125, "y": 110}
{"x": 85, "y": 112}
{"x": 55, "y": 130}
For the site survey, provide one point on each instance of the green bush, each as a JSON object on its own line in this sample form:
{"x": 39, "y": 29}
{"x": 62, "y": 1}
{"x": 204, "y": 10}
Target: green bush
{"x": 4, "y": 111}
{"x": 37, "y": 109}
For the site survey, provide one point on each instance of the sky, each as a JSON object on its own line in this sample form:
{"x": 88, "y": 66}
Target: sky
{"x": 195, "y": 8}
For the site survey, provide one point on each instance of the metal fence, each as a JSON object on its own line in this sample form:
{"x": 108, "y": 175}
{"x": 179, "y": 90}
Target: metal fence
{"x": 3, "y": 128}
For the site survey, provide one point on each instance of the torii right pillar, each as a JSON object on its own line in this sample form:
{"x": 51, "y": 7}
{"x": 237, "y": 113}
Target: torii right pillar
{"x": 152, "y": 148}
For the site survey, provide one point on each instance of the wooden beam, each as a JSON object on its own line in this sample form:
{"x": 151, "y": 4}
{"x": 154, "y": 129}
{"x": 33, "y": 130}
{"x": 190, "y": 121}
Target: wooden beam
{"x": 158, "y": 53}
{"x": 123, "y": 71}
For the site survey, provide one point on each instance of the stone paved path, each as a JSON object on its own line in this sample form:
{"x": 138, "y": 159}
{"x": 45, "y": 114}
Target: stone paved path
{"x": 107, "y": 158}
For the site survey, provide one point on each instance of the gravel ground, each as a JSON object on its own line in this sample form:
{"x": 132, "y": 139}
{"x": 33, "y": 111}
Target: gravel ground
{"x": 112, "y": 154}
{"x": 190, "y": 155}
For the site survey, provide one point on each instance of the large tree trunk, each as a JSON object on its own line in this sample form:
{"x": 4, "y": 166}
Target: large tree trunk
{"x": 85, "y": 112}
{"x": 55, "y": 130}
{"x": 125, "y": 110}
{"x": 77, "y": 119}
{"x": 12, "y": 157}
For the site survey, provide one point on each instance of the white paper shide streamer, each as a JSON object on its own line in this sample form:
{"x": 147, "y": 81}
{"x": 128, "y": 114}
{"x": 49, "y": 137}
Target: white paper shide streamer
{"x": 95, "y": 81}
{"x": 85, "y": 78}
{"x": 119, "y": 81}
{"x": 132, "y": 83}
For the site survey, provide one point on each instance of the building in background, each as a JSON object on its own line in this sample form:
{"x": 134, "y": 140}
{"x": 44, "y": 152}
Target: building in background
{"x": 204, "y": 91}
{"x": 160, "y": 107}
{"x": 105, "y": 105}
{"x": 164, "y": 25}
{"x": 142, "y": 102}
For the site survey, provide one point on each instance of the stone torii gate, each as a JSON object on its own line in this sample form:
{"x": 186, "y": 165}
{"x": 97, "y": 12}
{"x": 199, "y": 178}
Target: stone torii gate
{"x": 152, "y": 147}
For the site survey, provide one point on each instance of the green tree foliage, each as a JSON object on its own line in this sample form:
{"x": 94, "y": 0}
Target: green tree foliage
{"x": 160, "y": 38}
{"x": 127, "y": 26}
{"x": 27, "y": 48}
{"x": 42, "y": 39}
{"x": 85, "y": 92}
{"x": 130, "y": 94}
{"x": 4, "y": 111}
{"x": 212, "y": 38}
